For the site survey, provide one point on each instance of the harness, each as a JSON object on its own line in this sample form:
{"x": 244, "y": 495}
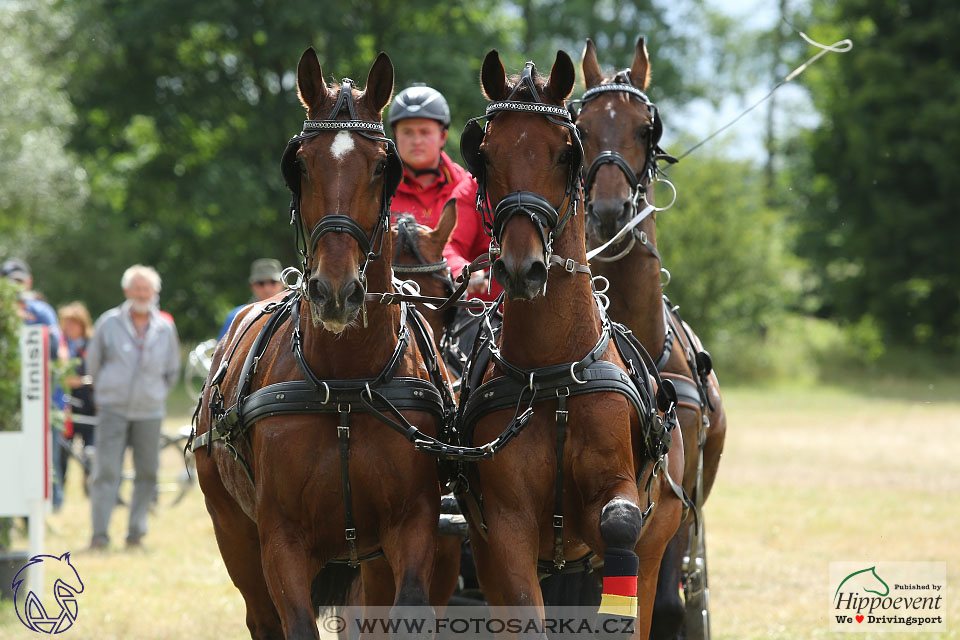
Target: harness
{"x": 690, "y": 391}
{"x": 383, "y": 397}
{"x": 523, "y": 389}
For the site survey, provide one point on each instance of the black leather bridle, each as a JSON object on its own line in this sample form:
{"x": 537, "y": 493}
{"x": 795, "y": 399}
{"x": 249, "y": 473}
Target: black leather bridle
{"x": 407, "y": 236}
{"x": 638, "y": 182}
{"x": 370, "y": 244}
{"x": 546, "y": 219}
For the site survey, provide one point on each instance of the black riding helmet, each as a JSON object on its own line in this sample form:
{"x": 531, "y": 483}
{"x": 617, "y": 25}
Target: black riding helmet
{"x": 420, "y": 101}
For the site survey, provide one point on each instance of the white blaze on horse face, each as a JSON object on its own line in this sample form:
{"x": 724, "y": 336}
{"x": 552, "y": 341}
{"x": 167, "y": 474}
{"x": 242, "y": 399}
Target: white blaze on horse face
{"x": 342, "y": 145}
{"x": 612, "y": 111}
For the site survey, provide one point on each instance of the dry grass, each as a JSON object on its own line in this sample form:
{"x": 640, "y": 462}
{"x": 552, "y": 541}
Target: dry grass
{"x": 809, "y": 477}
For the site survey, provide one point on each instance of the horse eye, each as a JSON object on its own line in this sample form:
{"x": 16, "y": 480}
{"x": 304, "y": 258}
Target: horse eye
{"x": 302, "y": 165}
{"x": 380, "y": 168}
{"x": 566, "y": 156}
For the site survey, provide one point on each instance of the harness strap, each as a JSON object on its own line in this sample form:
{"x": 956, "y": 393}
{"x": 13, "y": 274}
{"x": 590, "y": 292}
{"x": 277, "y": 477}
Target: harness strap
{"x": 668, "y": 339}
{"x": 562, "y": 416}
{"x": 569, "y": 265}
{"x": 350, "y": 530}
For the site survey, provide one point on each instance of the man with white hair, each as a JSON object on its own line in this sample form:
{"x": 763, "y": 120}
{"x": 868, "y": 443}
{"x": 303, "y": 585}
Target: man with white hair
{"x": 134, "y": 358}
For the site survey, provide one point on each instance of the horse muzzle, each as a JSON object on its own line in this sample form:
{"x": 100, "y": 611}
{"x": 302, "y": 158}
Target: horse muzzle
{"x": 521, "y": 280}
{"x": 607, "y": 216}
{"x": 332, "y": 305}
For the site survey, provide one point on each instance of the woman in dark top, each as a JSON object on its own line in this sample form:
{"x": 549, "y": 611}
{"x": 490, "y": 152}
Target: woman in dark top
{"x": 81, "y": 413}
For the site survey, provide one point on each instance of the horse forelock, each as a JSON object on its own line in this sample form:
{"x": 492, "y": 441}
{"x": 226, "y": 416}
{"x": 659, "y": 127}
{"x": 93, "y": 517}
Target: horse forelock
{"x": 523, "y": 93}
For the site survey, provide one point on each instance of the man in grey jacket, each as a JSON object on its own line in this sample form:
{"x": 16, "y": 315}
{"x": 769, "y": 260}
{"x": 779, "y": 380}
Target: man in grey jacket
{"x": 134, "y": 358}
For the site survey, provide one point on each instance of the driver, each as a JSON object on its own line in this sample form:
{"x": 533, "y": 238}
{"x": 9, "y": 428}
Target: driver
{"x": 420, "y": 118}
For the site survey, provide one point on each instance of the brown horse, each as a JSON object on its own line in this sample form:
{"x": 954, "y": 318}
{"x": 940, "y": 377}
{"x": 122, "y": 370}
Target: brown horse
{"x": 620, "y": 129}
{"x": 306, "y": 468}
{"x": 567, "y": 486}
{"x": 419, "y": 257}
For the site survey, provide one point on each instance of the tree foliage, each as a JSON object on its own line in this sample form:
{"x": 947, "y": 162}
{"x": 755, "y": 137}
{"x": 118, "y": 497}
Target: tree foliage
{"x": 176, "y": 113}
{"x": 880, "y": 226}
{"x": 726, "y": 250}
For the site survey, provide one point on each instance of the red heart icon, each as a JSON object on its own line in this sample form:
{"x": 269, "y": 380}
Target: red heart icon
{"x": 859, "y": 618}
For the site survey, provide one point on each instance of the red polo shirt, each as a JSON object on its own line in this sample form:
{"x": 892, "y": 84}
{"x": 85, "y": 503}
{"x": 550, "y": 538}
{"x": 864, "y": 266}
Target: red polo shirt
{"x": 426, "y": 204}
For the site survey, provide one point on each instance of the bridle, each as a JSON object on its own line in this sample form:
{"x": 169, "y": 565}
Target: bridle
{"x": 546, "y": 219}
{"x": 371, "y": 245}
{"x": 407, "y": 236}
{"x": 639, "y": 183}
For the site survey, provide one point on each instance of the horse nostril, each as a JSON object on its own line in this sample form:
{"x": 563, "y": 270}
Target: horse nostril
{"x": 536, "y": 275}
{"x": 500, "y": 273}
{"x": 319, "y": 291}
{"x": 352, "y": 294}
{"x": 627, "y": 212}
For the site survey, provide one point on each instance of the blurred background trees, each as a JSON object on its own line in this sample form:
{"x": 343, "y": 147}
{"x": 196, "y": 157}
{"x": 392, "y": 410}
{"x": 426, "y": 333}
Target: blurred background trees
{"x": 151, "y": 132}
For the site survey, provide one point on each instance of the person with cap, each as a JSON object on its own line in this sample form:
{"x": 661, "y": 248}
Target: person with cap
{"x": 264, "y": 283}
{"x": 34, "y": 310}
{"x": 420, "y": 119}
{"x": 133, "y": 359}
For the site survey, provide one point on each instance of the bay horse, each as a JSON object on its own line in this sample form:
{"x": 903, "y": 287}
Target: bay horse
{"x": 418, "y": 256}
{"x": 620, "y": 129}
{"x": 303, "y": 470}
{"x": 578, "y": 477}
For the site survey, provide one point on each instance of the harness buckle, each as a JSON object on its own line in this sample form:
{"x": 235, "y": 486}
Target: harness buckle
{"x": 558, "y": 522}
{"x": 350, "y": 534}
{"x": 343, "y": 432}
{"x": 570, "y": 265}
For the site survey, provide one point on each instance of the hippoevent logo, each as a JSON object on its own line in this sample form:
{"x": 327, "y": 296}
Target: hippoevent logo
{"x": 888, "y": 596}
{"x": 50, "y": 612}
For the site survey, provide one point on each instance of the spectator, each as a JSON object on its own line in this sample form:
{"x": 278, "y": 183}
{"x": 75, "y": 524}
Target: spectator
{"x": 264, "y": 283}
{"x": 420, "y": 118}
{"x": 81, "y": 414}
{"x": 36, "y": 311}
{"x": 134, "y": 360}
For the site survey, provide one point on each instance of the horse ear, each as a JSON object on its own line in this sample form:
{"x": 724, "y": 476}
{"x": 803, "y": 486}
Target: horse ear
{"x": 493, "y": 77}
{"x": 311, "y": 88}
{"x": 379, "y": 85}
{"x": 562, "y": 77}
{"x": 591, "y": 68}
{"x": 640, "y": 70}
{"x": 65, "y": 557}
{"x": 446, "y": 223}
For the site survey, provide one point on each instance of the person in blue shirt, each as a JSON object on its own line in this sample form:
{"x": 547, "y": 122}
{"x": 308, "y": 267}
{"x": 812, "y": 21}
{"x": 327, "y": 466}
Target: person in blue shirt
{"x": 264, "y": 283}
{"x": 36, "y": 311}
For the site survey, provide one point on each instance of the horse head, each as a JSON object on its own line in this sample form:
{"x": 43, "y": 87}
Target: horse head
{"x": 620, "y": 130}
{"x": 344, "y": 172}
{"x": 418, "y": 256}
{"x": 529, "y": 165}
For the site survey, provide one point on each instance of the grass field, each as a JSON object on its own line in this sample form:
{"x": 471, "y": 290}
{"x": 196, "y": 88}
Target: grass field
{"x": 869, "y": 472}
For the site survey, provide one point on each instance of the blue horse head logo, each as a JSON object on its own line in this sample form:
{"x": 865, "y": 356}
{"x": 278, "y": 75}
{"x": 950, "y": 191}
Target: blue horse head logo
{"x": 56, "y": 611}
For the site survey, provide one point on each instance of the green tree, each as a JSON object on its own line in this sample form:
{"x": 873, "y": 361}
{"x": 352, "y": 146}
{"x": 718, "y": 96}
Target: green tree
{"x": 42, "y": 186}
{"x": 180, "y": 111}
{"x": 880, "y": 225}
{"x": 726, "y": 250}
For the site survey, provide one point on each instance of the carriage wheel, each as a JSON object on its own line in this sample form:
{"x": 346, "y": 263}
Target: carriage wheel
{"x": 696, "y": 589}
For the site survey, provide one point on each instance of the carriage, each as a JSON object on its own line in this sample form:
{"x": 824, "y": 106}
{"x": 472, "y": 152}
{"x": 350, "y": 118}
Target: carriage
{"x": 329, "y": 424}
